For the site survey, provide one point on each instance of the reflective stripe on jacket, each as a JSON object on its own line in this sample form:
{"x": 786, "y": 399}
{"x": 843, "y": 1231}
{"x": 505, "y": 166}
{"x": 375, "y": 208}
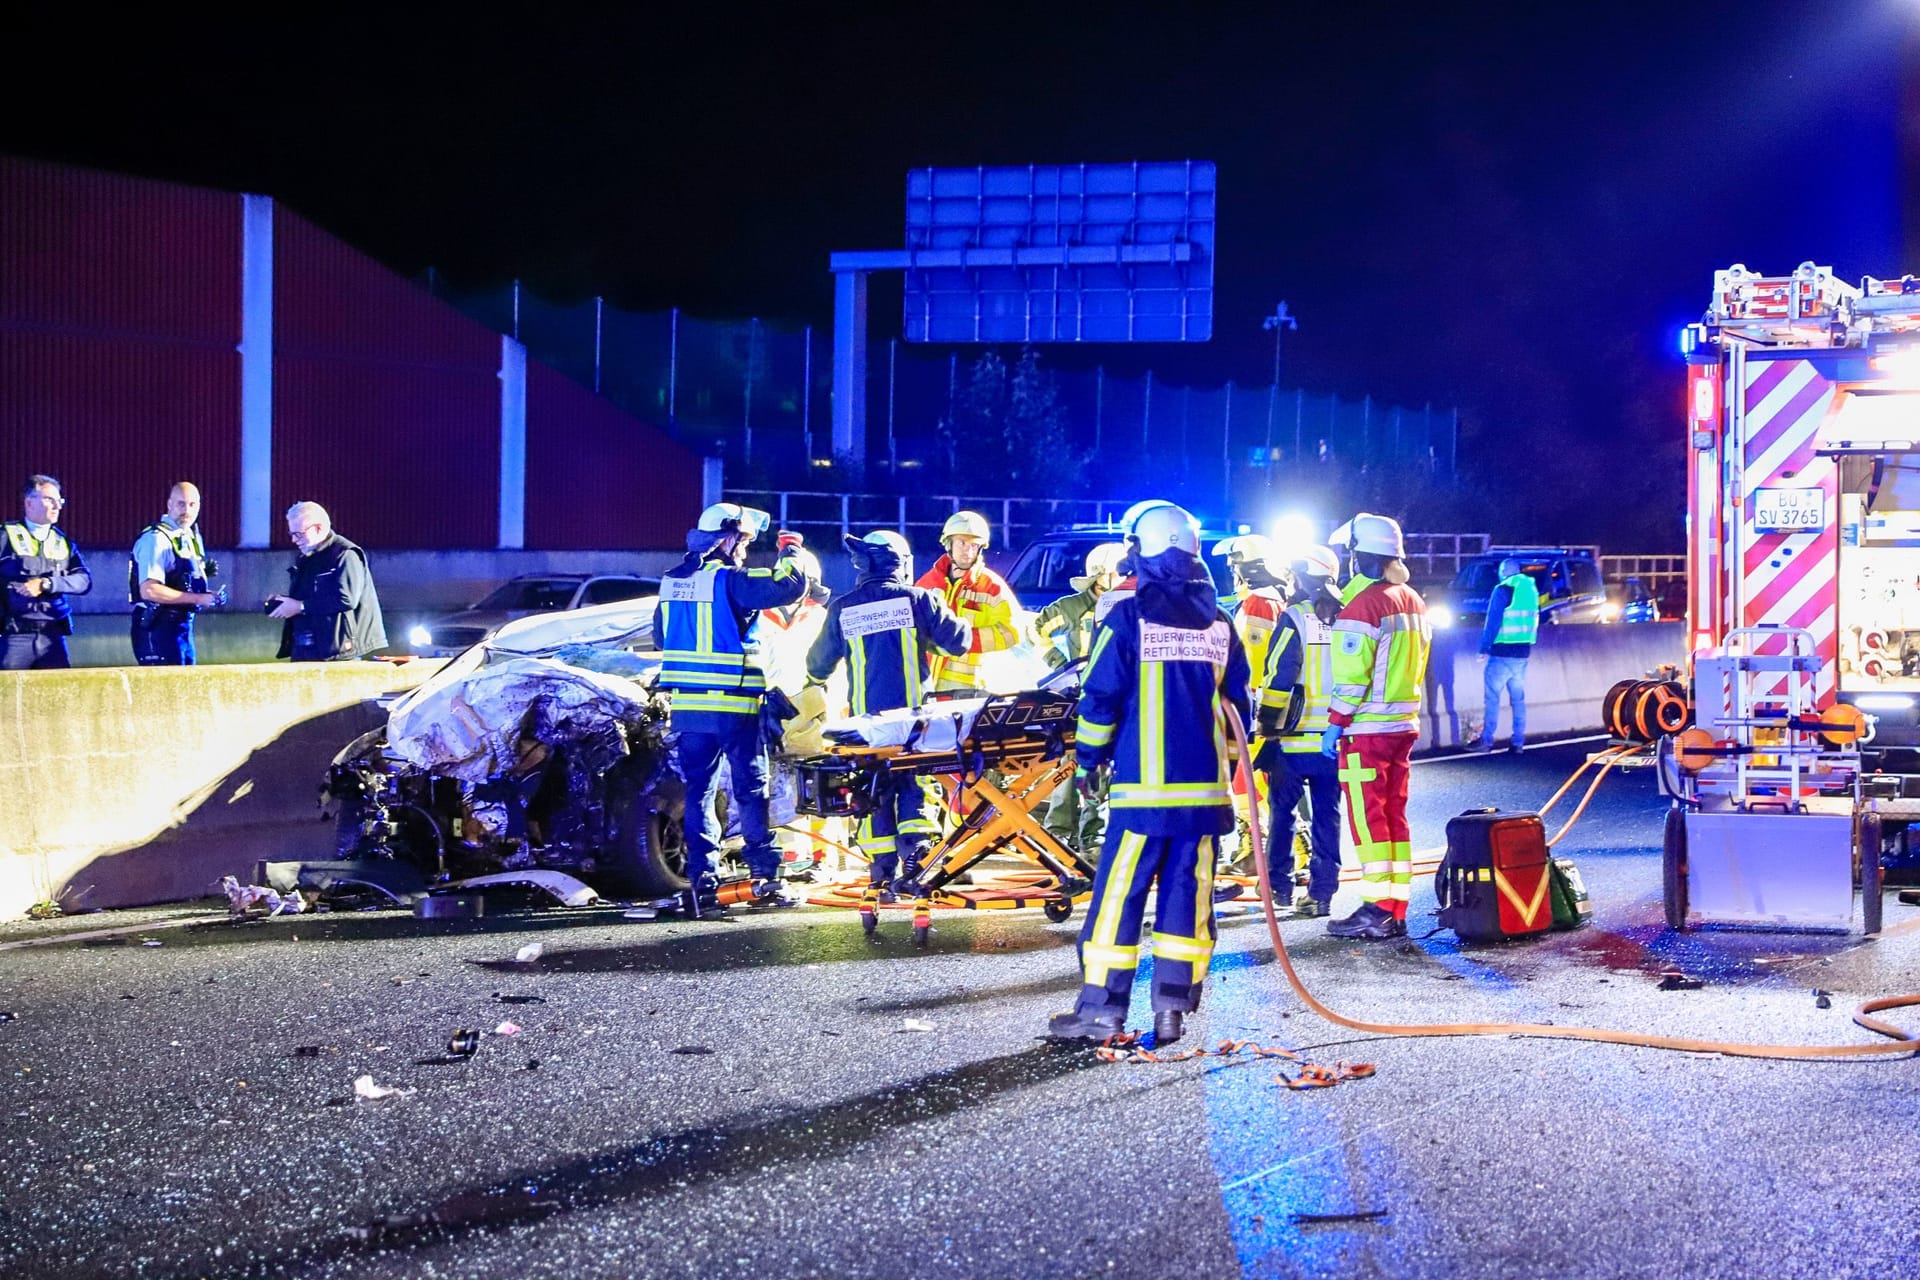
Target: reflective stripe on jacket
{"x": 706, "y": 624}
{"x": 883, "y": 630}
{"x": 1299, "y": 666}
{"x": 982, "y": 599}
{"x": 1153, "y": 704}
{"x": 1520, "y": 618}
{"x": 1381, "y": 642}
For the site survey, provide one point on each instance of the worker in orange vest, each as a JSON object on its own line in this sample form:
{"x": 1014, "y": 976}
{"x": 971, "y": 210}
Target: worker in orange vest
{"x": 980, "y": 597}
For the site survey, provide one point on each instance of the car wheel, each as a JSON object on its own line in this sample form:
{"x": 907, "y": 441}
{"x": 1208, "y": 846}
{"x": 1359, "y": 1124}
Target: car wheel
{"x": 650, "y": 850}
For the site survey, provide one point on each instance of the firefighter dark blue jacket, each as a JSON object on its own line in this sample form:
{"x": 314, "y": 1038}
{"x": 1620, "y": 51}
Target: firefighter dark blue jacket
{"x": 707, "y": 626}
{"x": 883, "y": 629}
{"x": 1166, "y": 671}
{"x": 22, "y": 557}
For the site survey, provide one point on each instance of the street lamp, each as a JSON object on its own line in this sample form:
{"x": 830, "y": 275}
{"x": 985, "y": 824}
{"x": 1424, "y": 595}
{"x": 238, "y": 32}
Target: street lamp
{"x": 1281, "y": 319}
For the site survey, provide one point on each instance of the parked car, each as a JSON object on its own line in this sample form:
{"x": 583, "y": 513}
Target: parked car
{"x": 1631, "y": 601}
{"x": 1045, "y": 567}
{"x": 1571, "y": 589}
{"x": 520, "y": 597}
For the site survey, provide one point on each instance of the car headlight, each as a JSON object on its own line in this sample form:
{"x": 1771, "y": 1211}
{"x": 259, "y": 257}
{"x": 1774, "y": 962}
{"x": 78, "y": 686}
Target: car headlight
{"x": 419, "y": 637}
{"x": 1439, "y": 615}
{"x": 1609, "y": 613}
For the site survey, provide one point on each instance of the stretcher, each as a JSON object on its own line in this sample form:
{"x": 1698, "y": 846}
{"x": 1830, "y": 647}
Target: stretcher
{"x": 1005, "y": 755}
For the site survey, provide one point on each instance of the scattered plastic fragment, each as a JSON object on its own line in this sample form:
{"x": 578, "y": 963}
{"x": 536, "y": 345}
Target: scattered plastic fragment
{"x": 243, "y": 898}
{"x": 506, "y": 1029}
{"x": 1125, "y": 1048}
{"x": 533, "y": 1064}
{"x": 365, "y": 1089}
{"x": 507, "y": 999}
{"x": 306, "y": 1051}
{"x": 915, "y": 1024}
{"x": 1674, "y": 980}
{"x": 149, "y": 942}
{"x": 1316, "y": 1219}
{"x": 641, "y": 913}
{"x": 1822, "y": 999}
{"x": 691, "y": 1050}
{"x": 529, "y": 953}
{"x": 7, "y": 1015}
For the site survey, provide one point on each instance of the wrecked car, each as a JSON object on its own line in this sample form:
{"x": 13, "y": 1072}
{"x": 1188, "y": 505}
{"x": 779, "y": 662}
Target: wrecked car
{"x": 541, "y": 749}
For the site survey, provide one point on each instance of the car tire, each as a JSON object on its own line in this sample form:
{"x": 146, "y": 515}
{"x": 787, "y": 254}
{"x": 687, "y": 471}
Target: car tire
{"x": 648, "y": 858}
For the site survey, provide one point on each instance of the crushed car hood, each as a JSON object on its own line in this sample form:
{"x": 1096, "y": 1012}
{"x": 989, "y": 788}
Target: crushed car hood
{"x": 571, "y": 677}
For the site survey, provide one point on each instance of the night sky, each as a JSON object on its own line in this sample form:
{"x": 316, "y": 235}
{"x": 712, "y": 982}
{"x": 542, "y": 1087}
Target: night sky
{"x": 1511, "y": 208}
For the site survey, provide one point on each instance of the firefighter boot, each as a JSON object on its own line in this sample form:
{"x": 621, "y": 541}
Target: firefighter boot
{"x": 1084, "y": 1023}
{"x": 1372, "y": 921}
{"x": 1168, "y": 1025}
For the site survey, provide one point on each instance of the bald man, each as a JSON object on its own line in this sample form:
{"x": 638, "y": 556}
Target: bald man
{"x": 167, "y": 580}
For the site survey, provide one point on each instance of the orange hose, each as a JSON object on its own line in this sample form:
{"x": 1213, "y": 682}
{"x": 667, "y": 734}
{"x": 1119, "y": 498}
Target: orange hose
{"x": 1903, "y": 1043}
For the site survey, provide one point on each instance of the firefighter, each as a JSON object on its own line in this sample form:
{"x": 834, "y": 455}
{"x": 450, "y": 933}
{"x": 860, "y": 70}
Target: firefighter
{"x": 1166, "y": 671}
{"x": 786, "y": 634}
{"x": 1065, "y": 627}
{"x": 1258, "y": 594}
{"x": 979, "y": 596}
{"x": 1296, "y": 693}
{"x": 1513, "y": 624}
{"x": 710, "y": 605}
{"x": 1381, "y": 642}
{"x": 883, "y": 630}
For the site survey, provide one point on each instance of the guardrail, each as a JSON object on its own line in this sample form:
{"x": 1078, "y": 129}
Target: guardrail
{"x": 1655, "y": 571}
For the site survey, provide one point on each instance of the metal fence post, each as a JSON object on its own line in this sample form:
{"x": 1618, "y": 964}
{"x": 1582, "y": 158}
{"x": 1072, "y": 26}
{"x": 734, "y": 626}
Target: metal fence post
{"x": 516, "y": 311}
{"x": 844, "y": 526}
{"x": 893, "y": 451}
{"x": 1226, "y": 451}
{"x": 900, "y": 517}
{"x": 806, "y": 396}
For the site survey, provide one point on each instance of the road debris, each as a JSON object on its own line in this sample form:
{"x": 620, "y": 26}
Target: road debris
{"x": 691, "y": 1050}
{"x": 507, "y": 1029}
{"x": 529, "y": 953}
{"x": 1674, "y": 980}
{"x": 1822, "y": 999}
{"x": 1321, "y": 1219}
{"x": 503, "y": 998}
{"x": 1125, "y": 1048}
{"x": 365, "y": 1089}
{"x": 915, "y": 1024}
{"x": 244, "y": 899}
{"x": 306, "y": 1051}
{"x": 464, "y": 1044}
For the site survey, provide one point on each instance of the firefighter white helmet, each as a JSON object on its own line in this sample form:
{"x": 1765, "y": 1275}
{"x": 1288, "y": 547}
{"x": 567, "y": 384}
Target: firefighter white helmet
{"x": 1244, "y": 548}
{"x": 1106, "y": 558}
{"x": 729, "y": 517}
{"x": 1163, "y": 527}
{"x": 1139, "y": 509}
{"x": 1378, "y": 536}
{"x": 968, "y": 523}
{"x": 1318, "y": 562}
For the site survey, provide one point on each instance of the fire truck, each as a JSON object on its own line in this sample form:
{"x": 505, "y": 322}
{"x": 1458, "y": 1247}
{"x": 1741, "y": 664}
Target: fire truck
{"x": 1803, "y": 553}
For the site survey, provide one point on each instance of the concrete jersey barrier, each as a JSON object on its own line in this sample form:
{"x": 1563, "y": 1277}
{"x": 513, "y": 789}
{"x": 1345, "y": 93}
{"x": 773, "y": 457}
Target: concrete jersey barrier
{"x": 135, "y": 785}
{"x": 1572, "y": 668}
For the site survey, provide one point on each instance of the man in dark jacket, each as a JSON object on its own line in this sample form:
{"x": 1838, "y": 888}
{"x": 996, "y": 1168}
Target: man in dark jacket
{"x": 330, "y": 609}
{"x": 883, "y": 629}
{"x": 39, "y": 569}
{"x": 1166, "y": 672}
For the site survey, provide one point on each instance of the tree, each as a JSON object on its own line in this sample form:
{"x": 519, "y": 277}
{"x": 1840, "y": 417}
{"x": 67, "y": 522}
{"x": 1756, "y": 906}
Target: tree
{"x": 1039, "y": 447}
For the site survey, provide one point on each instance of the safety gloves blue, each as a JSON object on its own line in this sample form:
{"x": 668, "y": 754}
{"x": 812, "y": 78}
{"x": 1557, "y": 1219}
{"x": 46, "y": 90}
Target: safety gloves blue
{"x": 1330, "y": 741}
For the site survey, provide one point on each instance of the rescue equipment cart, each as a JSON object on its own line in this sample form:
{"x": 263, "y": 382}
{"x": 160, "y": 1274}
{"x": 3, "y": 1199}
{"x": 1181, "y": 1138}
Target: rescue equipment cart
{"x": 1770, "y": 825}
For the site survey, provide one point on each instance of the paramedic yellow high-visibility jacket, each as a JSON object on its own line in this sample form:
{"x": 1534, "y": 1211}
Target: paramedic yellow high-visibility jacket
{"x": 1299, "y": 668}
{"x": 1166, "y": 672}
{"x": 1381, "y": 642}
{"x": 982, "y": 599}
{"x": 1255, "y": 615}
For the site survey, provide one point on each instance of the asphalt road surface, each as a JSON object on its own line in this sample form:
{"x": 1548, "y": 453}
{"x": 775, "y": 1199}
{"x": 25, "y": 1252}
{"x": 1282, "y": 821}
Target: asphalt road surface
{"x": 745, "y": 1099}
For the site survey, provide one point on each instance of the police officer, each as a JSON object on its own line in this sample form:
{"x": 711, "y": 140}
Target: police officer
{"x": 39, "y": 568}
{"x": 167, "y": 582}
{"x": 1296, "y": 694}
{"x": 884, "y": 629}
{"x": 710, "y": 606}
{"x": 1166, "y": 671}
